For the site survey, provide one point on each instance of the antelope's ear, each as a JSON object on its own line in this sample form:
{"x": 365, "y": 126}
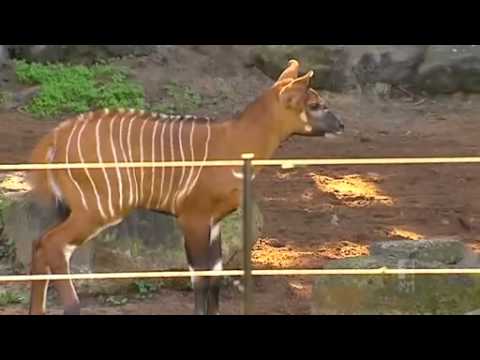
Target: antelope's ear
{"x": 291, "y": 72}
{"x": 293, "y": 93}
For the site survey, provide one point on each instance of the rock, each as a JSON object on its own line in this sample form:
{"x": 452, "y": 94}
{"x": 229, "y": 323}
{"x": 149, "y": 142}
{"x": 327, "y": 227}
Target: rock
{"x": 341, "y": 67}
{"x": 25, "y": 221}
{"x": 388, "y": 64}
{"x": 75, "y": 54}
{"x": 6, "y": 68}
{"x": 402, "y": 294}
{"x": 4, "y": 57}
{"x": 145, "y": 240}
{"x": 330, "y": 63}
{"x": 450, "y": 68}
{"x": 445, "y": 250}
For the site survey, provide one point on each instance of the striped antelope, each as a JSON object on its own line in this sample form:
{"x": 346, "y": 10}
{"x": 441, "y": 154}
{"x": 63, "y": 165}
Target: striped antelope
{"x": 199, "y": 197}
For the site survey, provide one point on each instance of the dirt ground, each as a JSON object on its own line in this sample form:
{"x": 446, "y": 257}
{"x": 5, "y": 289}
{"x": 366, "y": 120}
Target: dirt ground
{"x": 316, "y": 214}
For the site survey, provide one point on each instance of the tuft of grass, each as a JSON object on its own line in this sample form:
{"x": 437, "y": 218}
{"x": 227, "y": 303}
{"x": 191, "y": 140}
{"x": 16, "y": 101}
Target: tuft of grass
{"x": 114, "y": 300}
{"x": 4, "y": 97}
{"x": 10, "y": 298}
{"x": 77, "y": 89}
{"x": 180, "y": 100}
{"x": 144, "y": 289}
{"x": 7, "y": 247}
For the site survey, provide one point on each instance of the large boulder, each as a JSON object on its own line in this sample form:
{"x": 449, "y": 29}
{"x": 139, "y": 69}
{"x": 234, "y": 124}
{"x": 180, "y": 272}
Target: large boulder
{"x": 402, "y": 294}
{"x": 341, "y": 67}
{"x": 330, "y": 63}
{"x": 4, "y": 57}
{"x": 75, "y": 54}
{"x": 6, "y": 69}
{"x": 450, "y": 68}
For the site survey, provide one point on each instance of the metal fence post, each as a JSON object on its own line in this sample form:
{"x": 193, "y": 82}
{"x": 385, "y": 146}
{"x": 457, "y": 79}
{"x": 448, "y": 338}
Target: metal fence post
{"x": 247, "y": 233}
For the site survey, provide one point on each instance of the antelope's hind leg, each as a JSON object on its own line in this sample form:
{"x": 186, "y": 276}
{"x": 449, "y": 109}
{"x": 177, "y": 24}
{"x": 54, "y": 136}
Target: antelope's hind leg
{"x": 53, "y": 252}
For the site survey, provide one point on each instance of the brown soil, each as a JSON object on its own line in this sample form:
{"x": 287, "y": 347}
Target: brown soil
{"x": 319, "y": 213}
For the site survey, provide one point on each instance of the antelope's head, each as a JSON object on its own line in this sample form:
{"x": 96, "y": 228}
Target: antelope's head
{"x": 301, "y": 109}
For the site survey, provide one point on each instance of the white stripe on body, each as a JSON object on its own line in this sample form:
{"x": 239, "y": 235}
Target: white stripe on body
{"x": 192, "y": 169}
{"x": 125, "y": 159}
{"x": 129, "y": 136}
{"x": 172, "y": 169}
{"x": 207, "y": 143}
{"x": 182, "y": 155}
{"x": 100, "y": 161}
{"x": 69, "y": 171}
{"x": 82, "y": 160}
{"x": 162, "y": 180}
{"x": 115, "y": 158}
{"x": 154, "y": 133}
{"x": 142, "y": 158}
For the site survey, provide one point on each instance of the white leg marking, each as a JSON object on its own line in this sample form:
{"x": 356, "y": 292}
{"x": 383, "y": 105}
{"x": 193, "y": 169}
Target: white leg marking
{"x": 192, "y": 169}
{"x": 218, "y": 265}
{"x": 214, "y": 232}
{"x": 179, "y": 186}
{"x": 100, "y": 161}
{"x": 207, "y": 143}
{"x": 162, "y": 180}
{"x": 68, "y": 251}
{"x": 115, "y": 158}
{"x": 192, "y": 277}
{"x": 82, "y": 195}
{"x": 104, "y": 227}
{"x": 172, "y": 170}
{"x": 154, "y": 133}
{"x": 82, "y": 160}
{"x": 142, "y": 159}
{"x": 125, "y": 159}
{"x": 239, "y": 175}
{"x": 130, "y": 152}
{"x": 51, "y": 181}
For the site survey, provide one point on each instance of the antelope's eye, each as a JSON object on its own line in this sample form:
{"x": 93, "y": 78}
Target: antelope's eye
{"x": 317, "y": 107}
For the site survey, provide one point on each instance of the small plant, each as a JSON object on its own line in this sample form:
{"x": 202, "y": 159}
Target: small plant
{"x": 145, "y": 289}
{"x": 5, "y": 97}
{"x": 180, "y": 100}
{"x": 115, "y": 300}
{"x": 76, "y": 89}
{"x": 10, "y": 298}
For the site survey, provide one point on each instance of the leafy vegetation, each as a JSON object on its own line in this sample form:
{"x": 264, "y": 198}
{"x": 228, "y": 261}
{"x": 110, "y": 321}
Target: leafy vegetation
{"x": 9, "y": 298}
{"x": 145, "y": 289}
{"x": 4, "y": 97}
{"x": 76, "y": 89}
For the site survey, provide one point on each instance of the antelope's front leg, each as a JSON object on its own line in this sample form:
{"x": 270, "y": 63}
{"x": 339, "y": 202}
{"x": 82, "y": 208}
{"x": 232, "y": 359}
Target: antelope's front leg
{"x": 203, "y": 255}
{"x": 216, "y": 264}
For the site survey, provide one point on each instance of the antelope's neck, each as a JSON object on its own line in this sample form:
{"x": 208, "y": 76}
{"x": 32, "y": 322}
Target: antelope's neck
{"x": 256, "y": 130}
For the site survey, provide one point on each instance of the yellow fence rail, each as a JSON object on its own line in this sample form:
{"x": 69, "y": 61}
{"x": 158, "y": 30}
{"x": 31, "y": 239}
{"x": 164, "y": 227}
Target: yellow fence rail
{"x": 233, "y": 273}
{"x": 222, "y": 163}
{"x": 247, "y": 162}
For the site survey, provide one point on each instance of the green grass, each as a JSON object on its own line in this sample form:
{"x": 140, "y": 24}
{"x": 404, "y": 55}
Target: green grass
{"x": 4, "y": 96}
{"x": 9, "y": 298}
{"x": 77, "y": 89}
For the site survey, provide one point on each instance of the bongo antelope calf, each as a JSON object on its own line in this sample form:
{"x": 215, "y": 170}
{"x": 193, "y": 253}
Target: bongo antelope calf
{"x": 199, "y": 197}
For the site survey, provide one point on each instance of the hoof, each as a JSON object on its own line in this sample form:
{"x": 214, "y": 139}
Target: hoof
{"x": 72, "y": 310}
